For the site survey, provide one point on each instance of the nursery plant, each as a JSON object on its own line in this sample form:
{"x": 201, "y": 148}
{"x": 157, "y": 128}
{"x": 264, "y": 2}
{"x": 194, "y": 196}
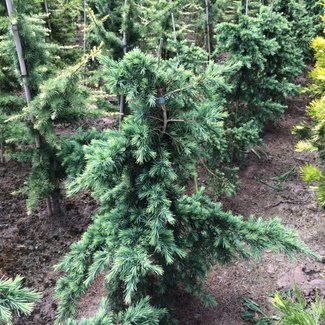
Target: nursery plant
{"x": 153, "y": 233}
{"x": 268, "y": 60}
{"x": 53, "y": 97}
{"x": 302, "y": 22}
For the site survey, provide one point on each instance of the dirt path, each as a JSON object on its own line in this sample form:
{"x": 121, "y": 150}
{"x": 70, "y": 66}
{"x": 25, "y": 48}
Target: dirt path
{"x": 295, "y": 205}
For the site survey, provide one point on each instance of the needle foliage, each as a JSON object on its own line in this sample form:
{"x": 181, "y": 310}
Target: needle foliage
{"x": 150, "y": 233}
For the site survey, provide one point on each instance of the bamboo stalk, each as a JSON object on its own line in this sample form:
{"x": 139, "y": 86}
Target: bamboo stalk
{"x": 175, "y": 36}
{"x": 125, "y": 45}
{"x": 22, "y": 64}
{"x": 46, "y": 7}
{"x": 246, "y": 7}
{"x": 161, "y": 44}
{"x": 23, "y": 72}
{"x": 208, "y": 27}
{"x": 85, "y": 25}
{"x": 124, "y": 42}
{"x": 272, "y": 8}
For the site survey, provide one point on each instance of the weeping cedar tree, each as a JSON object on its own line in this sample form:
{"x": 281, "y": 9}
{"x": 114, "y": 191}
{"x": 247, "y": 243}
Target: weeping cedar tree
{"x": 149, "y": 234}
{"x": 61, "y": 100}
{"x": 268, "y": 61}
{"x": 14, "y": 299}
{"x": 37, "y": 56}
{"x": 57, "y": 97}
{"x": 314, "y": 135}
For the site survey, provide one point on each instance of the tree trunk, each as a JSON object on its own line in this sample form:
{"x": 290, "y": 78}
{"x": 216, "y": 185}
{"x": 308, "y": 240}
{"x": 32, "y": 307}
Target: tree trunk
{"x": 56, "y": 202}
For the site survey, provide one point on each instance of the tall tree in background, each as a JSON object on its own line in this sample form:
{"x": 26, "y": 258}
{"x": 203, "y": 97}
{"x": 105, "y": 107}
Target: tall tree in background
{"x": 316, "y": 9}
{"x": 111, "y": 22}
{"x": 268, "y": 61}
{"x": 63, "y": 22}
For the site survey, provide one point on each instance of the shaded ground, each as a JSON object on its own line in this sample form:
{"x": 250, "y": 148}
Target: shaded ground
{"x": 31, "y": 245}
{"x": 295, "y": 205}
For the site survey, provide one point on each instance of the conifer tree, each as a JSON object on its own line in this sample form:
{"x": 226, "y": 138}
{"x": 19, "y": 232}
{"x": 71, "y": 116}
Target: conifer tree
{"x": 61, "y": 99}
{"x": 268, "y": 61}
{"x": 301, "y": 21}
{"x": 54, "y": 98}
{"x": 315, "y": 8}
{"x": 150, "y": 234}
{"x": 62, "y": 21}
{"x": 112, "y": 20}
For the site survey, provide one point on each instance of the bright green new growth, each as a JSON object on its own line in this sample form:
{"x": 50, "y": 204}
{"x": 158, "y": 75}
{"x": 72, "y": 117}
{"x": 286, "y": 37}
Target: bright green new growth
{"x": 314, "y": 135}
{"x": 150, "y": 234}
{"x": 15, "y": 300}
{"x": 296, "y": 312}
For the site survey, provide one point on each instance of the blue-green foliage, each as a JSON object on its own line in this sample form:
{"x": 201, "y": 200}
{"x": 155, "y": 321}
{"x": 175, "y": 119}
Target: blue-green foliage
{"x": 316, "y": 10}
{"x": 72, "y": 150}
{"x": 150, "y": 234}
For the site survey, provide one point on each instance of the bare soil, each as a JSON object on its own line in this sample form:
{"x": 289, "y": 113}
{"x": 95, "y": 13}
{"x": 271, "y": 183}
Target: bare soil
{"x": 31, "y": 245}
